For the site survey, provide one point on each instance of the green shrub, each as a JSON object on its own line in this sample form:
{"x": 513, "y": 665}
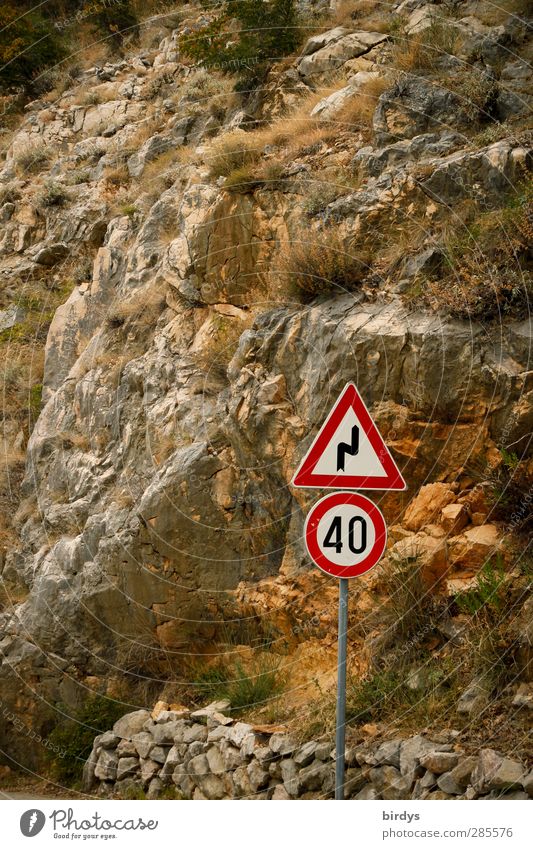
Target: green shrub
{"x": 264, "y": 33}
{"x": 74, "y": 734}
{"x": 373, "y": 697}
{"x": 245, "y": 687}
{"x": 486, "y": 592}
{"x": 28, "y": 44}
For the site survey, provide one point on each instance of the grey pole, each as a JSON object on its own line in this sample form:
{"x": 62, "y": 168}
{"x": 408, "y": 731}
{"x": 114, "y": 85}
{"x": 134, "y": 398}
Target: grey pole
{"x": 340, "y": 731}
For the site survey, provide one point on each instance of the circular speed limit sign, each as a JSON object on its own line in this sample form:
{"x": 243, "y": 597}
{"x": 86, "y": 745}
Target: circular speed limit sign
{"x": 345, "y": 534}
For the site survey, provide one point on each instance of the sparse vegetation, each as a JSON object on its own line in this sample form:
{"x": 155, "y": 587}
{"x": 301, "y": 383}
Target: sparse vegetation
{"x": 322, "y": 265}
{"x": 487, "y": 272}
{"x": 74, "y": 733}
{"x": 266, "y": 31}
{"x": 247, "y": 686}
{"x": 487, "y": 592}
{"x": 52, "y": 194}
{"x": 425, "y": 50}
{"x": 34, "y": 159}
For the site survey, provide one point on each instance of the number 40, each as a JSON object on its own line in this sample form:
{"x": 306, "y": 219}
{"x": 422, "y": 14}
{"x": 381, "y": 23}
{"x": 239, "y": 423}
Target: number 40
{"x": 334, "y": 536}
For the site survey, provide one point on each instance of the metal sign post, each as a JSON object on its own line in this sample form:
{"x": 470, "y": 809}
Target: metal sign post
{"x": 340, "y": 730}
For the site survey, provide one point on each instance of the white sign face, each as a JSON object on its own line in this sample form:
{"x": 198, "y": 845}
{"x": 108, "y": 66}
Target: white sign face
{"x": 345, "y": 534}
{"x": 349, "y": 452}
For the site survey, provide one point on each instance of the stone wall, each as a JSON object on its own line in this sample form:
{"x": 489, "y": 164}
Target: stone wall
{"x": 206, "y": 754}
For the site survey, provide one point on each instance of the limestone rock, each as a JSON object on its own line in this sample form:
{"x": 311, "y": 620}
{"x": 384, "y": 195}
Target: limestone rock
{"x": 439, "y": 762}
{"x": 131, "y": 723}
{"x": 427, "y": 505}
{"x": 495, "y": 772}
{"x": 106, "y": 766}
{"x": 126, "y": 767}
{"x": 10, "y": 317}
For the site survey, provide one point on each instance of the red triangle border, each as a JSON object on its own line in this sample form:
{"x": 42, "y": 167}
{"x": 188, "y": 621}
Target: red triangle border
{"x": 306, "y": 479}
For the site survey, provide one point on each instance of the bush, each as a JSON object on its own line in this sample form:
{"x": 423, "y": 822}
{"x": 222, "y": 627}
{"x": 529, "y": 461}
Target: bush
{"x": 488, "y": 272}
{"x": 322, "y": 266}
{"x": 28, "y": 44}
{"x": 74, "y": 734}
{"x": 487, "y": 593}
{"x": 230, "y": 152}
{"x": 245, "y": 687}
{"x": 52, "y": 194}
{"x": 33, "y": 159}
{"x": 264, "y": 33}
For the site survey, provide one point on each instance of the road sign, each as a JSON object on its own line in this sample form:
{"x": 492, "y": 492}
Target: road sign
{"x": 345, "y": 534}
{"x": 349, "y": 452}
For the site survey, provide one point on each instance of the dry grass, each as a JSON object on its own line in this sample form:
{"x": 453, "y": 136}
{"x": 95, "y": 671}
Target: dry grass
{"x": 493, "y": 14}
{"x": 358, "y": 111}
{"x": 33, "y": 159}
{"x": 423, "y": 51}
{"x": 293, "y": 134}
{"x": 141, "y": 311}
{"x": 366, "y": 15}
{"x": 324, "y": 264}
{"x": 117, "y": 175}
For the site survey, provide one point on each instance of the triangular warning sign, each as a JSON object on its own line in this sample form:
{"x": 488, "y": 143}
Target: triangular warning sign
{"x": 349, "y": 452}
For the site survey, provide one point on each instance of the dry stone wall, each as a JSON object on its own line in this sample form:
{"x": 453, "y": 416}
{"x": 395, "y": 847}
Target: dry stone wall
{"x": 206, "y": 754}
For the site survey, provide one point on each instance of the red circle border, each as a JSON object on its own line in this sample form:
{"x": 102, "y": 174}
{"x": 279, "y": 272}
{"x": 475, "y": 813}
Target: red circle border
{"x": 310, "y": 532}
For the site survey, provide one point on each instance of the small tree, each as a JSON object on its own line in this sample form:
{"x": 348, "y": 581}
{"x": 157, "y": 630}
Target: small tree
{"x": 246, "y": 37}
{"x": 28, "y": 44}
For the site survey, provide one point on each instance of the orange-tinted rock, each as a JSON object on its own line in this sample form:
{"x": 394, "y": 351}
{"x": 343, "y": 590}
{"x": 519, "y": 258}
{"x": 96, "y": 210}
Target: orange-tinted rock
{"x": 453, "y": 518}
{"x": 474, "y": 547}
{"x": 427, "y": 505}
{"x": 429, "y": 551}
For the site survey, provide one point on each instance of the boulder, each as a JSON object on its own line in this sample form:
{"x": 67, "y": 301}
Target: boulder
{"x": 388, "y": 754}
{"x": 149, "y": 769}
{"x": 106, "y": 766}
{"x": 51, "y": 254}
{"x": 496, "y": 772}
{"x": 411, "y": 750}
{"x": 390, "y": 783}
{"x": 258, "y": 776}
{"x": 427, "y": 505}
{"x": 475, "y": 697}
{"x": 143, "y": 743}
{"x": 10, "y": 317}
{"x": 337, "y": 51}
{"x": 215, "y": 760}
{"x": 282, "y": 744}
{"x": 439, "y": 762}
{"x": 305, "y": 754}
{"x": 131, "y": 723}
{"x": 126, "y": 767}
{"x": 453, "y": 518}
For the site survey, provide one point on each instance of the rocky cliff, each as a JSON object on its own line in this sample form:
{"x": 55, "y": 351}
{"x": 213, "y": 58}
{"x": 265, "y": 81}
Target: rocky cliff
{"x": 204, "y": 270}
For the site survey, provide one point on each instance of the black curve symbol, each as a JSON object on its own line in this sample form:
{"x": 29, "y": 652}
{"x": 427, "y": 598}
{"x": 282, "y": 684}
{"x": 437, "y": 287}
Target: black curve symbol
{"x": 344, "y": 448}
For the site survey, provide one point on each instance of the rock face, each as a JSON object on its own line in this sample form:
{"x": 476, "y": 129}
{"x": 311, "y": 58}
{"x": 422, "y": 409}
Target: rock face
{"x": 268, "y": 765}
{"x": 180, "y": 392}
